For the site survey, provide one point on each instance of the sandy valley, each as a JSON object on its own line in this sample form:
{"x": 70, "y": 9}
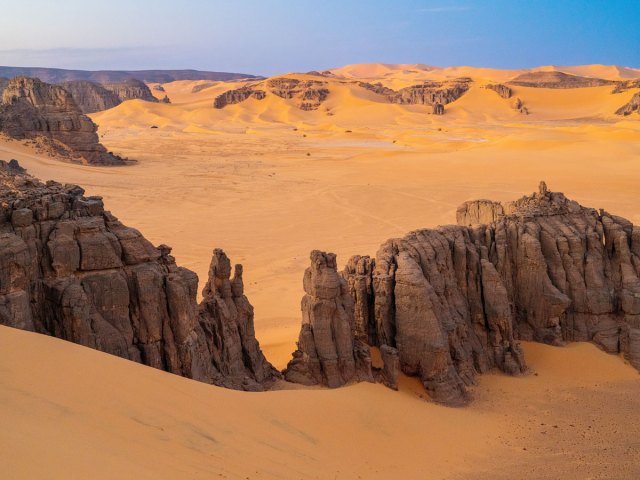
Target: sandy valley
{"x": 269, "y": 182}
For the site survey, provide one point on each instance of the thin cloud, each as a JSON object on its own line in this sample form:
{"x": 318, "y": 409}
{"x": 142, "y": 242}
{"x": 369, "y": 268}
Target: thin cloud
{"x": 445, "y": 9}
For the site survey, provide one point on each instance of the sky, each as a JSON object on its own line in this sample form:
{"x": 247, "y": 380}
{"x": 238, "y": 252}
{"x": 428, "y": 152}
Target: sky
{"x": 277, "y": 36}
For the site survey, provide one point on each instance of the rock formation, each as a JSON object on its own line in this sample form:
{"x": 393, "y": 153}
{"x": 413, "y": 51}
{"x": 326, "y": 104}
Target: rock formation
{"x": 3, "y": 84}
{"x": 557, "y": 80}
{"x": 624, "y": 85}
{"x": 632, "y": 106}
{"x": 238, "y": 95}
{"x": 430, "y": 92}
{"x": 70, "y": 269}
{"x": 158, "y": 88}
{"x": 500, "y": 89}
{"x": 330, "y": 349}
{"x": 438, "y": 109}
{"x": 377, "y": 88}
{"x": 165, "y": 99}
{"x": 131, "y": 89}
{"x": 202, "y": 86}
{"x": 91, "y": 97}
{"x": 310, "y": 93}
{"x": 33, "y": 109}
{"x": 453, "y": 301}
{"x": 519, "y": 106}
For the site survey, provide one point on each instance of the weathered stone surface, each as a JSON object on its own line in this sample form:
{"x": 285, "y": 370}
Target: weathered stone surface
{"x": 631, "y": 106}
{"x": 431, "y": 92}
{"x": 391, "y": 369}
{"x": 500, "y": 89}
{"x": 131, "y": 89}
{"x": 438, "y": 109}
{"x": 453, "y": 301}
{"x": 91, "y": 97}
{"x": 329, "y": 351}
{"x": 70, "y": 269}
{"x": 33, "y": 109}
{"x": 238, "y": 95}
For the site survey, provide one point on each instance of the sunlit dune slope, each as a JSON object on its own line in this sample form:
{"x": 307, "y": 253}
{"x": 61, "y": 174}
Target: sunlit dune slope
{"x": 71, "y": 412}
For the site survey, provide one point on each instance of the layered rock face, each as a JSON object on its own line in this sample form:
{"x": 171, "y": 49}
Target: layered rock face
{"x": 331, "y": 350}
{"x": 500, "y": 89}
{"x": 453, "y": 301}
{"x": 237, "y": 96}
{"x": 33, "y": 109}
{"x": 632, "y": 106}
{"x": 91, "y": 97}
{"x": 431, "y": 93}
{"x": 70, "y": 269}
{"x": 131, "y": 89}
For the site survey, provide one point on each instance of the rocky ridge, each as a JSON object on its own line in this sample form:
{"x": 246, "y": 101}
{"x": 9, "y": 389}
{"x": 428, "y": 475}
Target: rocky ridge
{"x": 91, "y": 97}
{"x": 31, "y": 109}
{"x": 500, "y": 89}
{"x": 631, "y": 106}
{"x": 70, "y": 269}
{"x": 454, "y": 301}
{"x": 557, "y": 80}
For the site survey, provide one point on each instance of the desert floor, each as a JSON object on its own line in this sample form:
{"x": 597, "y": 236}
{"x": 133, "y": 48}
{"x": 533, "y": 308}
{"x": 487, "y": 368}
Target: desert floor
{"x": 268, "y": 183}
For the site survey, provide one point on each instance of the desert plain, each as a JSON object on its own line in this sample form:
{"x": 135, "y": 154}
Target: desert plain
{"x": 268, "y": 183}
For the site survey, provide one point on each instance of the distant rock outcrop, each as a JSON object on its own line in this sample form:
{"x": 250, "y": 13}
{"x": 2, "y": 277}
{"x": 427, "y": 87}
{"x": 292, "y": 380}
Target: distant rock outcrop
{"x": 557, "y": 80}
{"x": 91, "y": 97}
{"x": 131, "y": 89}
{"x": 631, "y": 106}
{"x": 500, "y": 89}
{"x": 430, "y": 93}
{"x": 310, "y": 93}
{"x": 238, "y": 95}
{"x": 453, "y": 301}
{"x": 202, "y": 86}
{"x": 165, "y": 99}
{"x": 70, "y": 269}
{"x": 378, "y": 88}
{"x": 438, "y": 109}
{"x": 158, "y": 88}
{"x": 31, "y": 109}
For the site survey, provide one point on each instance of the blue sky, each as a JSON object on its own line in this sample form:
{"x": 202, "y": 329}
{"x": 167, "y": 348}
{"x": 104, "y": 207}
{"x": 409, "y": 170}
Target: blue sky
{"x": 270, "y": 36}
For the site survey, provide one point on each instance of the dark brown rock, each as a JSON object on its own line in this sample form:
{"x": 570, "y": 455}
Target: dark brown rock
{"x": 500, "y": 89}
{"x": 31, "y": 109}
{"x": 131, "y": 89}
{"x": 329, "y": 352}
{"x": 631, "y": 106}
{"x": 431, "y": 92}
{"x": 438, "y": 109}
{"x": 91, "y": 97}
{"x": 238, "y": 95}
{"x": 70, "y": 269}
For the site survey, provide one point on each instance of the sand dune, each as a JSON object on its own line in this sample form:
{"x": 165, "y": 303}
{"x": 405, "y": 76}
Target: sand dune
{"x": 90, "y": 415}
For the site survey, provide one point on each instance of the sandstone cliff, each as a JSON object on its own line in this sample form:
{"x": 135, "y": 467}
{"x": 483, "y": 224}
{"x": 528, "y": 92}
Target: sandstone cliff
{"x": 70, "y": 269}
{"x": 453, "y": 301}
{"x": 431, "y": 93}
{"x": 33, "y": 109}
{"x": 131, "y": 89}
{"x": 91, "y": 97}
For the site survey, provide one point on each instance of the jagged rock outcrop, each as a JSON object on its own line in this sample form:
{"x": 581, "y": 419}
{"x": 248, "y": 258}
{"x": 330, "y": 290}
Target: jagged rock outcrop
{"x": 478, "y": 211}
{"x": 557, "y": 80}
{"x": 631, "y": 106}
{"x": 158, "y": 88}
{"x": 70, "y": 269}
{"x": 624, "y": 85}
{"x": 431, "y": 92}
{"x": 91, "y": 97}
{"x": 165, "y": 99}
{"x": 32, "y": 109}
{"x": 500, "y": 89}
{"x": 453, "y": 301}
{"x": 238, "y": 95}
{"x": 519, "y": 106}
{"x": 438, "y": 109}
{"x": 310, "y": 93}
{"x": 330, "y": 350}
{"x": 378, "y": 88}
{"x": 131, "y": 89}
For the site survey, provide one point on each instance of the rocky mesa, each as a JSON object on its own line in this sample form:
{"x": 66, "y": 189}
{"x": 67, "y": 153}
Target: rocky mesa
{"x": 31, "y": 109}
